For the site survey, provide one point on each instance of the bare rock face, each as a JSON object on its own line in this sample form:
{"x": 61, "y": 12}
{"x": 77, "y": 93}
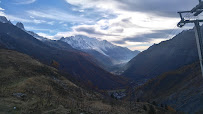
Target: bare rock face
{"x": 3, "y": 19}
{"x": 20, "y": 25}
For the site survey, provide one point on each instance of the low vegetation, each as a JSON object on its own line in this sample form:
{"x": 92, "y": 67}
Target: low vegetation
{"x": 27, "y": 87}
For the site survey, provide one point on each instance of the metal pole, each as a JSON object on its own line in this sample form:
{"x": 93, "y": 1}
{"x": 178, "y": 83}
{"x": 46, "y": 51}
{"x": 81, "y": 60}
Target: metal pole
{"x": 198, "y": 35}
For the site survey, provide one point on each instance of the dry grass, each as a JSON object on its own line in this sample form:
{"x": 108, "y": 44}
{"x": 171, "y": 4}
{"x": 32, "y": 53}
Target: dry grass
{"x": 47, "y": 91}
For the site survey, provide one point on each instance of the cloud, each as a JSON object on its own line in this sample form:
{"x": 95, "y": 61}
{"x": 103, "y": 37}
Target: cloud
{"x": 148, "y": 37}
{"x": 136, "y": 21}
{"x": 65, "y": 25}
{"x": 157, "y": 7}
{"x": 1, "y": 9}
{"x": 123, "y": 22}
{"x": 104, "y": 4}
{"x": 30, "y": 28}
{"x": 46, "y": 36}
{"x": 23, "y": 2}
{"x": 51, "y": 23}
{"x": 38, "y": 21}
{"x": 2, "y": 13}
{"x": 15, "y": 18}
{"x": 124, "y": 26}
{"x": 24, "y": 20}
{"x": 55, "y": 14}
{"x": 91, "y": 30}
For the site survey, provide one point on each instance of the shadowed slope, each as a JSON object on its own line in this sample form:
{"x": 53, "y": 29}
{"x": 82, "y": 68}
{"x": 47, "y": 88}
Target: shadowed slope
{"x": 166, "y": 56}
{"x": 181, "y": 89}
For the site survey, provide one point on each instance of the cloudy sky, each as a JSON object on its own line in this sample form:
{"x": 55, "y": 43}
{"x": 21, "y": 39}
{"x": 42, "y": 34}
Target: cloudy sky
{"x": 135, "y": 24}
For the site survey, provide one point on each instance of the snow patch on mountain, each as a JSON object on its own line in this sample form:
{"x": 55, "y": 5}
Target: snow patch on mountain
{"x": 86, "y": 43}
{"x": 36, "y": 36}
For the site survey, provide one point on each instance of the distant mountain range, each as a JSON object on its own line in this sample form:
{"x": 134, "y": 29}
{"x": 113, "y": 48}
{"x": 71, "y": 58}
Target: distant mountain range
{"x": 81, "y": 65}
{"x": 105, "y": 52}
{"x": 110, "y": 57}
{"x": 164, "y": 57}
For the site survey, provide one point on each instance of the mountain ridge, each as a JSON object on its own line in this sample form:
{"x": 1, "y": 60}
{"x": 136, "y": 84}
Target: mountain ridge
{"x": 163, "y": 57}
{"x": 3, "y": 19}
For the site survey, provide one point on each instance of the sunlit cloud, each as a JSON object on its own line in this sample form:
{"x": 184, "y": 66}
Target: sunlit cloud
{"x": 24, "y": 20}
{"x": 129, "y": 23}
{"x": 30, "y": 28}
{"x": 1, "y": 9}
{"x": 46, "y": 36}
{"x": 24, "y": 1}
{"x": 57, "y": 15}
{"x": 125, "y": 26}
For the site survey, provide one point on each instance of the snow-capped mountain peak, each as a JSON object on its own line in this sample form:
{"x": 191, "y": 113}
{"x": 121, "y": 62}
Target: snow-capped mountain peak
{"x": 86, "y": 43}
{"x": 100, "y": 49}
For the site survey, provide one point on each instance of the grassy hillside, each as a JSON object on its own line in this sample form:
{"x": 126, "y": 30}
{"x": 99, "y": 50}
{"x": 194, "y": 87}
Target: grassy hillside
{"x": 182, "y": 89}
{"x": 27, "y": 86}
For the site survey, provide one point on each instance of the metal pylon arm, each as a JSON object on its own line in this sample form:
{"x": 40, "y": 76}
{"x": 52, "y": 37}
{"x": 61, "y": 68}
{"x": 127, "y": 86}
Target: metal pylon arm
{"x": 198, "y": 33}
{"x": 183, "y": 22}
